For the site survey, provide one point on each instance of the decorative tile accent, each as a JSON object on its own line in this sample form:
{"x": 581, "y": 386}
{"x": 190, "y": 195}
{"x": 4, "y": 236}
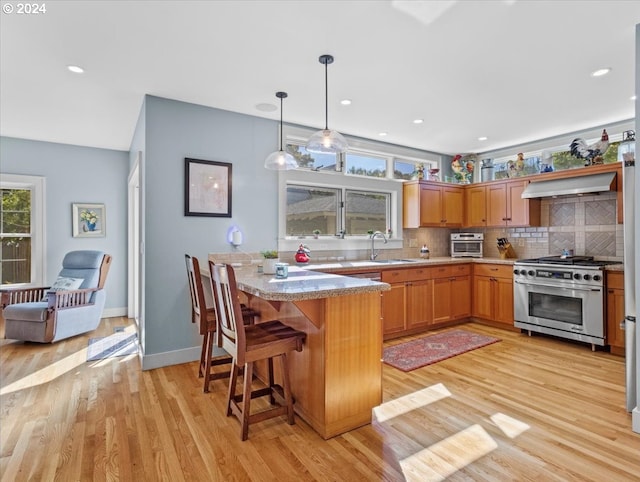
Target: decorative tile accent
{"x": 600, "y": 243}
{"x": 559, "y": 241}
{"x": 562, "y": 214}
{"x": 600, "y": 212}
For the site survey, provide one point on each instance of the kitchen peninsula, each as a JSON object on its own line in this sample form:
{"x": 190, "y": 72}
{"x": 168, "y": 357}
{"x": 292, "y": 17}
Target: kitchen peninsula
{"x": 336, "y": 379}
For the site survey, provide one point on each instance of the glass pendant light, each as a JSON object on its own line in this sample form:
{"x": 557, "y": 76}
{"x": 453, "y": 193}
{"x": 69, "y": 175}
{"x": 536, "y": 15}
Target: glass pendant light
{"x": 280, "y": 160}
{"x": 326, "y": 141}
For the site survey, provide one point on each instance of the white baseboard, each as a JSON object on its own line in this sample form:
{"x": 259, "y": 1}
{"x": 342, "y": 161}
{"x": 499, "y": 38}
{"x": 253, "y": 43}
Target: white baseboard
{"x": 114, "y": 312}
{"x": 176, "y": 357}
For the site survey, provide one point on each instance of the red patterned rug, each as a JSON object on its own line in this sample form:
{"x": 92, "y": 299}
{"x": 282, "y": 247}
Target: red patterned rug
{"x": 434, "y": 348}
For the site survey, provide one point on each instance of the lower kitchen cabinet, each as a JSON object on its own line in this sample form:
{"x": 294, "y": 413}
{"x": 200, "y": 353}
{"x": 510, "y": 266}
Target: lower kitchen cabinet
{"x": 451, "y": 293}
{"x": 615, "y": 311}
{"x": 493, "y": 293}
{"x": 421, "y": 297}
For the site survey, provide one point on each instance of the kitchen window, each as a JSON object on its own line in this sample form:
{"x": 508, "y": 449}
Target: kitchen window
{"x": 322, "y": 211}
{"x": 22, "y": 230}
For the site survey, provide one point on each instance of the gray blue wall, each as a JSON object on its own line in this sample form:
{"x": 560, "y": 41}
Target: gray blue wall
{"x": 77, "y": 174}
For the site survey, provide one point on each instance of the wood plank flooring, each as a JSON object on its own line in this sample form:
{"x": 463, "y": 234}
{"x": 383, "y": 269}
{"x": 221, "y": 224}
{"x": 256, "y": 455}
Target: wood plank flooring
{"x": 526, "y": 408}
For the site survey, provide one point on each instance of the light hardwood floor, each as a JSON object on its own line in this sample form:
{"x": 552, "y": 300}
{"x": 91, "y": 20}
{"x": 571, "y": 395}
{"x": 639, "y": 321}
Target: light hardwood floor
{"x": 526, "y": 408}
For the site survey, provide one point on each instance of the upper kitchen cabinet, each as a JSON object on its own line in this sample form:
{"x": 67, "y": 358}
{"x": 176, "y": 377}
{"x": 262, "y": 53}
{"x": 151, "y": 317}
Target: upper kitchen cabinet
{"x": 476, "y": 206}
{"x": 505, "y": 206}
{"x": 432, "y": 204}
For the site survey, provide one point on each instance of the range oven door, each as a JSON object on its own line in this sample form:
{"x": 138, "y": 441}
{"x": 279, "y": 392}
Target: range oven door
{"x": 572, "y": 308}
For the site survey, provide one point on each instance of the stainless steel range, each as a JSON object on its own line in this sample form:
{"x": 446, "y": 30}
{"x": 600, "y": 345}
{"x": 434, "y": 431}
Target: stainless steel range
{"x": 561, "y": 296}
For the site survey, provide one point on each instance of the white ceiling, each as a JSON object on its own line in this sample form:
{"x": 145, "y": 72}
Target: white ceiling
{"x": 514, "y": 71}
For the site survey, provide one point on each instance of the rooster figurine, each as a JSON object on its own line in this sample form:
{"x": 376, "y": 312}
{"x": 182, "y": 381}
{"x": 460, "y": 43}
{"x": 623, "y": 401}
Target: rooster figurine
{"x": 591, "y": 154}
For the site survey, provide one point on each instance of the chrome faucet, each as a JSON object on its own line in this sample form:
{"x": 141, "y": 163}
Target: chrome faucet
{"x": 375, "y": 235}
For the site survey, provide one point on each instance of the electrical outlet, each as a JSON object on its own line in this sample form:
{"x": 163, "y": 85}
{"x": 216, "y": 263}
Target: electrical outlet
{"x": 520, "y": 241}
{"x": 413, "y": 243}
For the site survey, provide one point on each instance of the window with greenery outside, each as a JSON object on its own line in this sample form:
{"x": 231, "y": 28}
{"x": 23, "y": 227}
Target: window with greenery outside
{"x": 16, "y": 236}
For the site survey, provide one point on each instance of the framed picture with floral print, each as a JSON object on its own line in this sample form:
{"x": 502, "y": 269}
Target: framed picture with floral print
{"x": 88, "y": 220}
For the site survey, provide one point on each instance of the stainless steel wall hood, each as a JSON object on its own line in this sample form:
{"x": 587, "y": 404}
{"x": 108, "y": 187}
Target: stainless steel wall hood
{"x": 570, "y": 186}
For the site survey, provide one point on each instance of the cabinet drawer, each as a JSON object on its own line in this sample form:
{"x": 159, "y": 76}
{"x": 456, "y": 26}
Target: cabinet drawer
{"x": 416, "y": 274}
{"x": 495, "y": 270}
{"x": 441, "y": 271}
{"x": 460, "y": 269}
{"x": 395, "y": 275}
{"x": 615, "y": 280}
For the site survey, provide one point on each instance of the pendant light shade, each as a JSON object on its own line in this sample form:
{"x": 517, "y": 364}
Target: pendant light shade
{"x": 280, "y": 160}
{"x": 326, "y": 141}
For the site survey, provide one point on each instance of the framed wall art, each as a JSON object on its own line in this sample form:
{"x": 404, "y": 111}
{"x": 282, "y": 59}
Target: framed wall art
{"x": 207, "y": 188}
{"x": 88, "y": 220}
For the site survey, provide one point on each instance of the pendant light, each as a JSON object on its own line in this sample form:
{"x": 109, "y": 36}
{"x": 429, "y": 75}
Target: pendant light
{"x": 280, "y": 160}
{"x": 326, "y": 141}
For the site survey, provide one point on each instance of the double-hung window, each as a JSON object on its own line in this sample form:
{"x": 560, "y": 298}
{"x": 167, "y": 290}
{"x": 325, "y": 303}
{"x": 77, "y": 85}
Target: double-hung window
{"x": 22, "y": 230}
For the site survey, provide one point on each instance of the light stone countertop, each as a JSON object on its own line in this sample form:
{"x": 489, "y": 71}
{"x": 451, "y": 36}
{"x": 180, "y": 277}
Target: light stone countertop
{"x": 302, "y": 284}
{"x": 382, "y": 264}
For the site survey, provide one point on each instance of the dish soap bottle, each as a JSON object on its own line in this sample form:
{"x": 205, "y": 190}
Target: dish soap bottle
{"x": 424, "y": 252}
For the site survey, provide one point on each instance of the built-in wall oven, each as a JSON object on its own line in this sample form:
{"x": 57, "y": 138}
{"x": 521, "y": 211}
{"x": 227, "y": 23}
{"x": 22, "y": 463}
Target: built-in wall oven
{"x": 562, "y": 297}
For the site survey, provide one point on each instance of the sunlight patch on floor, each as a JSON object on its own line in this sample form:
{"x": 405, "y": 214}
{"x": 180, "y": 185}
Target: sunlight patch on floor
{"x": 510, "y": 426}
{"x": 59, "y": 368}
{"x": 449, "y": 455}
{"x": 409, "y": 402}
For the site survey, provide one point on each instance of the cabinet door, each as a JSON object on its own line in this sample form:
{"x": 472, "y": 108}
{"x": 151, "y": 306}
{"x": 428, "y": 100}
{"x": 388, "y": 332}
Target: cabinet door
{"x": 496, "y": 204}
{"x": 476, "y": 206}
{"x": 460, "y": 287}
{"x": 453, "y": 206}
{"x": 615, "y": 314}
{"x": 394, "y": 309}
{"x": 503, "y": 300}
{"x": 419, "y": 303}
{"x": 441, "y": 300}
{"x": 430, "y": 206}
{"x": 483, "y": 297}
{"x": 517, "y": 208}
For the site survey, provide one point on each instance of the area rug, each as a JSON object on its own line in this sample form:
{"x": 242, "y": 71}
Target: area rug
{"x": 434, "y": 348}
{"x": 118, "y": 344}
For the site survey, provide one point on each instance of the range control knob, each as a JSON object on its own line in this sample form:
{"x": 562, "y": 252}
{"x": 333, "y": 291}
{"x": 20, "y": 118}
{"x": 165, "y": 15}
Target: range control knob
{"x": 597, "y": 277}
{"x": 577, "y": 276}
{"x": 516, "y": 271}
{"x": 523, "y": 272}
{"x": 531, "y": 272}
{"x": 587, "y": 277}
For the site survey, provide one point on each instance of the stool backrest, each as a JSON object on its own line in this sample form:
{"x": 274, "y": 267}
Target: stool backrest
{"x": 229, "y": 311}
{"x": 198, "y": 302}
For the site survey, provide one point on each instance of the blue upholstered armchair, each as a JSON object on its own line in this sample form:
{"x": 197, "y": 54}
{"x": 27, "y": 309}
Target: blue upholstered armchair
{"x": 72, "y": 305}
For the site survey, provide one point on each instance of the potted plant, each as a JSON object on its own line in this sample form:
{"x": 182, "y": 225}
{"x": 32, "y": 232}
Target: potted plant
{"x": 270, "y": 260}
{"x": 316, "y": 233}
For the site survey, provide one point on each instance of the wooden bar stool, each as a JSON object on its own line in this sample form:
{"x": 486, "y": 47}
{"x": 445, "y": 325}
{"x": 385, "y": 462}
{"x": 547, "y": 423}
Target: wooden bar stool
{"x": 207, "y": 322}
{"x": 248, "y": 344}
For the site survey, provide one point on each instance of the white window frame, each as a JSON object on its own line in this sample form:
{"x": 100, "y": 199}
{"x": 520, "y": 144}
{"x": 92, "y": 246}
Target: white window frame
{"x": 37, "y": 186}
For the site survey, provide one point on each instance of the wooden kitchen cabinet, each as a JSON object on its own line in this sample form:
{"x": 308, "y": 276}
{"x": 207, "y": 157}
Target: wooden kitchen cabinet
{"x": 615, "y": 311}
{"x": 451, "y": 293}
{"x": 432, "y": 204}
{"x": 493, "y": 293}
{"x": 394, "y": 303}
{"x": 505, "y": 206}
{"x": 476, "y": 206}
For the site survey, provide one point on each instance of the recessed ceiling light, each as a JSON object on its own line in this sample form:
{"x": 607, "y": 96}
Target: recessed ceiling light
{"x": 75, "y": 69}
{"x": 483, "y": 138}
{"x": 345, "y": 101}
{"x": 382, "y": 134}
{"x": 418, "y": 121}
{"x": 600, "y": 72}
{"x": 634, "y": 97}
{"x": 265, "y": 107}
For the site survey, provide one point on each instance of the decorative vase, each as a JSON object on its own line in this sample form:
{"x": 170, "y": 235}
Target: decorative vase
{"x": 269, "y": 265}
{"x": 90, "y": 226}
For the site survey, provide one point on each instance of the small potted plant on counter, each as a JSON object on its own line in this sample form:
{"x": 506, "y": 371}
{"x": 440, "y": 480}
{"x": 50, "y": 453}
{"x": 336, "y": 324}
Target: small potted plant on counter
{"x": 316, "y": 233}
{"x": 270, "y": 260}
